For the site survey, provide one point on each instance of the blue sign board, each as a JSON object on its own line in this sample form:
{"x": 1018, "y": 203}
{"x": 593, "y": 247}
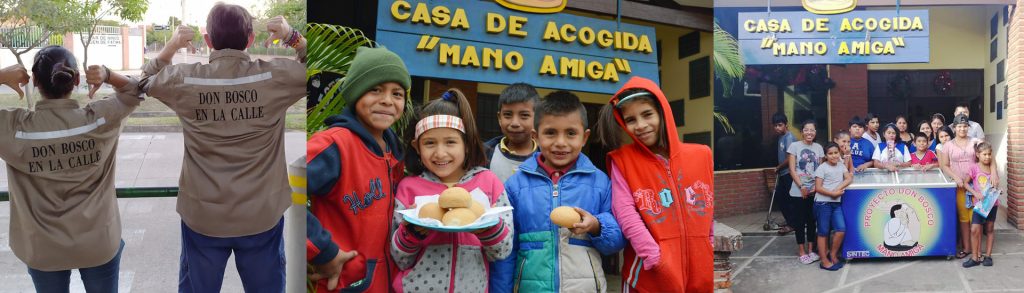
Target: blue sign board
{"x": 797, "y": 37}
{"x": 485, "y": 42}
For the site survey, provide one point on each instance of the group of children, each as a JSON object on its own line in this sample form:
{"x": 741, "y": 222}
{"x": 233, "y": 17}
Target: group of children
{"x": 656, "y": 205}
{"x": 820, "y": 176}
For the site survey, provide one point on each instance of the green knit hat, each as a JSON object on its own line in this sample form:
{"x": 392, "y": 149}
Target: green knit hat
{"x": 373, "y": 66}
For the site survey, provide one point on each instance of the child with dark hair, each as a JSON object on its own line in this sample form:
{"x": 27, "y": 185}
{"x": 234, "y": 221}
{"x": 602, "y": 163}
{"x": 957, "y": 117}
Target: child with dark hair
{"x": 930, "y": 134}
{"x": 861, "y": 148}
{"x": 354, "y": 167}
{"x": 447, "y": 153}
{"x": 842, "y": 138}
{"x": 892, "y": 153}
{"x": 872, "y": 123}
{"x": 983, "y": 176}
{"x": 665, "y": 213}
{"x": 804, "y": 157}
{"x": 831, "y": 180}
{"x": 546, "y": 257}
{"x": 515, "y": 118}
{"x": 780, "y": 123}
{"x": 922, "y": 158}
{"x": 234, "y": 182}
{"x": 64, "y": 212}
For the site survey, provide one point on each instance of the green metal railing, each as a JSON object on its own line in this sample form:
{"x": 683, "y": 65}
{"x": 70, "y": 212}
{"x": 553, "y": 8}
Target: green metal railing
{"x": 137, "y": 192}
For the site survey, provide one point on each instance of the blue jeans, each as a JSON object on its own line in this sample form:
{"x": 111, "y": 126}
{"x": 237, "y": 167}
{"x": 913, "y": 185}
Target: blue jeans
{"x": 102, "y": 278}
{"x": 259, "y": 259}
{"x": 829, "y": 215}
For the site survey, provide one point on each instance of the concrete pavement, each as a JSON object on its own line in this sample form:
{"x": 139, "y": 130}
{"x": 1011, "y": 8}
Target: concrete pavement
{"x": 150, "y": 226}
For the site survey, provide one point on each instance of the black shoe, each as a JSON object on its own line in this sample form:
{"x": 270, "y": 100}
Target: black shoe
{"x": 987, "y": 261}
{"x": 970, "y": 262}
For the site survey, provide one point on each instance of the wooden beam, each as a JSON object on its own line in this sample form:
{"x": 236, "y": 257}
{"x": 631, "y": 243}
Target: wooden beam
{"x": 697, "y": 20}
{"x": 863, "y": 3}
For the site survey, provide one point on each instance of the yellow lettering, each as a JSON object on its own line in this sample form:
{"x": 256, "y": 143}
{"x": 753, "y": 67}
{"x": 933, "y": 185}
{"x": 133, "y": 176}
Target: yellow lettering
{"x": 515, "y": 26}
{"x": 917, "y": 26}
{"x": 421, "y": 14}
{"x": 400, "y": 10}
{"x": 440, "y": 15}
{"x": 448, "y": 53}
{"x": 514, "y": 60}
{"x": 586, "y": 36}
{"x": 495, "y": 23}
{"x": 645, "y": 45}
{"x": 610, "y": 74}
{"x": 460, "y": 20}
{"x": 843, "y": 49}
{"x": 551, "y": 31}
{"x": 845, "y": 25}
{"x": 822, "y": 25}
{"x": 470, "y": 57}
{"x": 594, "y": 70}
{"x": 547, "y": 66}
{"x": 492, "y": 55}
{"x": 568, "y": 33}
{"x": 629, "y": 41}
{"x": 568, "y": 66}
{"x": 604, "y": 39}
{"x": 750, "y": 25}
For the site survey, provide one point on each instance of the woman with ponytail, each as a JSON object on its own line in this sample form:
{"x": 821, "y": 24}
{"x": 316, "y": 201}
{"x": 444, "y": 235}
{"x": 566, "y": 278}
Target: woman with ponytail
{"x": 60, "y": 167}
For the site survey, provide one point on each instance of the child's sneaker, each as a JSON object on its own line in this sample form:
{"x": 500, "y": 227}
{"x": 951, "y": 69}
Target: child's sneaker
{"x": 806, "y": 259}
{"x": 970, "y": 262}
{"x": 814, "y": 257}
{"x": 987, "y": 261}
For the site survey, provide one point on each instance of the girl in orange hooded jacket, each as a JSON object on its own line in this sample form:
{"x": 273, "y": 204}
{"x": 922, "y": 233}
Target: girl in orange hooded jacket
{"x": 665, "y": 215}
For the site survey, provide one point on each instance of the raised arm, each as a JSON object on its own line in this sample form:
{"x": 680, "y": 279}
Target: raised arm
{"x": 14, "y": 76}
{"x": 279, "y": 29}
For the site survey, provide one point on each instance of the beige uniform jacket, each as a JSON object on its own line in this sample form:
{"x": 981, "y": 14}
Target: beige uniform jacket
{"x": 234, "y": 179}
{"x": 60, "y": 166}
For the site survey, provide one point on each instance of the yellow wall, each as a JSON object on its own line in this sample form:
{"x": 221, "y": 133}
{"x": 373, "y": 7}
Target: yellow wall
{"x": 995, "y": 129}
{"x": 958, "y": 39}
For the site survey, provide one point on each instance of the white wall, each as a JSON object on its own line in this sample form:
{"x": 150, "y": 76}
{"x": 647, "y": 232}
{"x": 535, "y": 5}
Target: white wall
{"x": 104, "y": 49}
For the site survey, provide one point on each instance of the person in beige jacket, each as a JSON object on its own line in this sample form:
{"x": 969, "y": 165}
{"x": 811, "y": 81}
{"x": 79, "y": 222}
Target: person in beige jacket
{"x": 60, "y": 168}
{"x": 234, "y": 184}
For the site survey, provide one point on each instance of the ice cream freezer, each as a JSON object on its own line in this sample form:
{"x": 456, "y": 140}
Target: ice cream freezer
{"x": 900, "y": 214}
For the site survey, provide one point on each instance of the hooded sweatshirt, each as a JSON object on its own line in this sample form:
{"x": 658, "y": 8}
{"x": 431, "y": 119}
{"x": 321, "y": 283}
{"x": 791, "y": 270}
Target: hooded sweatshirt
{"x": 352, "y": 183}
{"x": 667, "y": 201}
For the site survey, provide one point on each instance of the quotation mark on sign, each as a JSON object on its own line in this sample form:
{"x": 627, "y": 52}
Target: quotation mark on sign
{"x": 898, "y": 41}
{"x": 767, "y": 42}
{"x": 622, "y": 65}
{"x": 427, "y": 43}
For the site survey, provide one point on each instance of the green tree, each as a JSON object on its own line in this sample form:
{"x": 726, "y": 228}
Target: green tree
{"x": 95, "y": 10}
{"x": 27, "y": 24}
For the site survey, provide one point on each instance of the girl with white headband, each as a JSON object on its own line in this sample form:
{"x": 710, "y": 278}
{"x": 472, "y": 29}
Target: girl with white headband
{"x": 447, "y": 153}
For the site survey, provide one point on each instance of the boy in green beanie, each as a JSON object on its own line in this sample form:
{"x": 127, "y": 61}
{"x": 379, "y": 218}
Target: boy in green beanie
{"x": 353, "y": 168}
{"x": 234, "y": 184}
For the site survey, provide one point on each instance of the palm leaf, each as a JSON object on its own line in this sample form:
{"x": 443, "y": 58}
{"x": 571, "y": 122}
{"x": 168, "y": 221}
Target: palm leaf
{"x": 331, "y": 48}
{"x": 729, "y": 65}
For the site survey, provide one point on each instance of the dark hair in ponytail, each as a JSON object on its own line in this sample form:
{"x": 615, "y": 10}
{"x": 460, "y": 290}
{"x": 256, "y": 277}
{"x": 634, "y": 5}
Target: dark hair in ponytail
{"x": 56, "y": 71}
{"x": 609, "y": 132}
{"x": 453, "y": 102}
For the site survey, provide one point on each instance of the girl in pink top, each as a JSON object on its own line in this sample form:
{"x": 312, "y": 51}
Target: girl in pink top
{"x": 923, "y": 158}
{"x": 956, "y": 161}
{"x": 982, "y": 174}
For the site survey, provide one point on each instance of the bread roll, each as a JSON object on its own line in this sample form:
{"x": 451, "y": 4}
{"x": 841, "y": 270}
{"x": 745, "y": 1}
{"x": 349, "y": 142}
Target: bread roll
{"x": 565, "y": 216}
{"x": 431, "y": 210}
{"x": 477, "y": 209}
{"x": 459, "y": 217}
{"x": 455, "y": 197}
